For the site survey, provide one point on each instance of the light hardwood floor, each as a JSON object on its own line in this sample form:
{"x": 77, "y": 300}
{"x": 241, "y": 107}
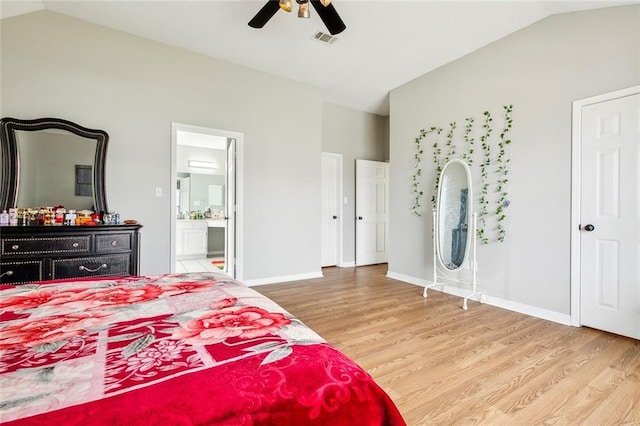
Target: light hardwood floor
{"x": 443, "y": 365}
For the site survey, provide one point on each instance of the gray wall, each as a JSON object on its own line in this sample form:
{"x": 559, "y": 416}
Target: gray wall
{"x": 355, "y": 135}
{"x": 53, "y": 65}
{"x": 540, "y": 70}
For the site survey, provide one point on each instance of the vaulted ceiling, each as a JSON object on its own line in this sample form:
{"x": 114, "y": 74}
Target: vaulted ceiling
{"x": 385, "y": 44}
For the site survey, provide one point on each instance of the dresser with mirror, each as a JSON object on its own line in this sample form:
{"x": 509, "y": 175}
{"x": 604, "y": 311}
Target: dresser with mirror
{"x": 55, "y": 162}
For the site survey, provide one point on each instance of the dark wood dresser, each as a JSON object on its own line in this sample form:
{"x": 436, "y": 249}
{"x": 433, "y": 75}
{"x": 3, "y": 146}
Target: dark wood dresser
{"x": 36, "y": 253}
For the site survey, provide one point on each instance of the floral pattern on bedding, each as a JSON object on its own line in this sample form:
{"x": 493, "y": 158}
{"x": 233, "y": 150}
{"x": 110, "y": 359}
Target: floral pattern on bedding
{"x": 64, "y": 344}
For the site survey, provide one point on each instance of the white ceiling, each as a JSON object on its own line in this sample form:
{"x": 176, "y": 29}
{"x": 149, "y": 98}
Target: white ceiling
{"x": 201, "y": 140}
{"x": 386, "y": 43}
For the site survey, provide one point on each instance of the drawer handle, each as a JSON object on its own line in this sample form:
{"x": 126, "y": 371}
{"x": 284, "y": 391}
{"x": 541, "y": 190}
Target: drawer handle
{"x": 15, "y": 247}
{"x": 114, "y": 243}
{"x": 8, "y": 274}
{"x": 75, "y": 245}
{"x": 84, "y": 268}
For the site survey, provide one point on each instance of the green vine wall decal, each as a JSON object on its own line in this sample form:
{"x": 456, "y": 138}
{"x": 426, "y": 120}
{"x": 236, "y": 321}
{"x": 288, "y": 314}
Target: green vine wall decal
{"x": 438, "y": 162}
{"x": 451, "y": 149}
{"x": 415, "y": 178}
{"x": 437, "y": 151}
{"x": 503, "y": 171}
{"x": 484, "y": 174}
{"x": 491, "y": 163}
{"x": 469, "y": 141}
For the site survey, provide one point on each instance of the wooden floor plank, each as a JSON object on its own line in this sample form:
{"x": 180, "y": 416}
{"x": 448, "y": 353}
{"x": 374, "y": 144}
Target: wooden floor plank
{"x": 443, "y": 365}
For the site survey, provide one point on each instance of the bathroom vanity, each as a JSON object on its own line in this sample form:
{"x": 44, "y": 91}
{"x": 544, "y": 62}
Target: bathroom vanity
{"x": 194, "y": 238}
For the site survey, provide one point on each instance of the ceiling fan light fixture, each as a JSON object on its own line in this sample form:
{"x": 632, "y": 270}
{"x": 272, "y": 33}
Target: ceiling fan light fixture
{"x": 328, "y": 14}
{"x": 286, "y": 5}
{"x": 303, "y": 9}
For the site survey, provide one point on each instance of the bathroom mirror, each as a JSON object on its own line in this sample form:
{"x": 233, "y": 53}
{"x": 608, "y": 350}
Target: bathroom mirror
{"x": 200, "y": 192}
{"x": 454, "y": 215}
{"x": 50, "y": 161}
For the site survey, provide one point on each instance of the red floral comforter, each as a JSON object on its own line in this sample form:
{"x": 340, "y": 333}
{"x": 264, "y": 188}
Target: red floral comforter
{"x": 176, "y": 349}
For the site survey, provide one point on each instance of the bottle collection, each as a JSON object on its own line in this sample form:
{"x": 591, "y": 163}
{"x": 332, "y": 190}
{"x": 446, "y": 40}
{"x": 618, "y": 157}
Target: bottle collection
{"x": 199, "y": 214}
{"x": 57, "y": 216}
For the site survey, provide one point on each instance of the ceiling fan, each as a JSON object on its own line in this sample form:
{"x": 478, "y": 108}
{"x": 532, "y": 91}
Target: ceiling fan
{"x": 324, "y": 8}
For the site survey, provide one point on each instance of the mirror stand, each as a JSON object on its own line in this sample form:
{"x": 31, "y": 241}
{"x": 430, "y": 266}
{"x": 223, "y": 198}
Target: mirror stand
{"x": 472, "y": 262}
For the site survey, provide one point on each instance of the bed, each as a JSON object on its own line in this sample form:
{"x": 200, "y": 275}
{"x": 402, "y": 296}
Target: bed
{"x": 176, "y": 349}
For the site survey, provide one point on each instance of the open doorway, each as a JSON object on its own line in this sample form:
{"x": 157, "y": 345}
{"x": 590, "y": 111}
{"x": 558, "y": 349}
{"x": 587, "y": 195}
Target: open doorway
{"x": 204, "y": 199}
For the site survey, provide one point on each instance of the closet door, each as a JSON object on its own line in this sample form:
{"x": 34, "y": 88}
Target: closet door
{"x": 610, "y": 216}
{"x": 372, "y": 212}
{"x": 331, "y": 206}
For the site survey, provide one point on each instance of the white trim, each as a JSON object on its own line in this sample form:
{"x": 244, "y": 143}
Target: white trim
{"x": 283, "y": 279}
{"x": 239, "y": 137}
{"x": 351, "y": 264}
{"x": 576, "y": 174}
{"x": 489, "y": 300}
{"x": 533, "y": 311}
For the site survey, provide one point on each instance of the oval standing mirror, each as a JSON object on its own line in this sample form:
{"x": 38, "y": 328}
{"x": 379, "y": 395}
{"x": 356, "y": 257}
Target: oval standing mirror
{"x": 454, "y": 214}
{"x": 49, "y": 162}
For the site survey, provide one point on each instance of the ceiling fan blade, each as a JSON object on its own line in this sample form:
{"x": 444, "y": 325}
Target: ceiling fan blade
{"x": 329, "y": 16}
{"x": 264, "y": 14}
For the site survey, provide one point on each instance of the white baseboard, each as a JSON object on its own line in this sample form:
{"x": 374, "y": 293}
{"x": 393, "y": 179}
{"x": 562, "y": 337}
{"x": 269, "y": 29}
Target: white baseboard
{"x": 510, "y": 305}
{"x": 347, "y": 265}
{"x": 282, "y": 279}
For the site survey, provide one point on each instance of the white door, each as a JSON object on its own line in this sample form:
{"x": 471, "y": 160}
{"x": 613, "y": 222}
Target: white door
{"x": 372, "y": 212}
{"x": 230, "y": 211}
{"x": 610, "y": 215}
{"x": 331, "y": 209}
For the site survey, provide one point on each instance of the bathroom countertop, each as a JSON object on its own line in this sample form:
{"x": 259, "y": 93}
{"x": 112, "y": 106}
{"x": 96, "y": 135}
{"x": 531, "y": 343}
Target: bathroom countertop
{"x": 218, "y": 223}
{"x": 211, "y": 223}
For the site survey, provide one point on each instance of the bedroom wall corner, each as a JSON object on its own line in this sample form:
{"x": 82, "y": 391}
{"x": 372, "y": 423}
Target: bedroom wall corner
{"x": 355, "y": 135}
{"x": 540, "y": 69}
{"x": 57, "y": 66}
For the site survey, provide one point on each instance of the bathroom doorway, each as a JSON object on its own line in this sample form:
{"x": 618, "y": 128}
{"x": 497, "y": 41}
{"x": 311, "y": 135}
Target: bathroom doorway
{"x": 204, "y": 200}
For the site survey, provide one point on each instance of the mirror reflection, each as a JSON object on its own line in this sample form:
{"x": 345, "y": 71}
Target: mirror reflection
{"x": 48, "y": 162}
{"x": 454, "y": 214}
{"x": 56, "y": 168}
{"x": 200, "y": 196}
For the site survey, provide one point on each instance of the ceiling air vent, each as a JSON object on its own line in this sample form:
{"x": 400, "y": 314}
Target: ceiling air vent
{"x": 324, "y": 37}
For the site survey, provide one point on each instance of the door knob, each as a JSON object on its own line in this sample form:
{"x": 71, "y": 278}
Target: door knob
{"x": 359, "y": 217}
{"x": 589, "y": 227}
{"x": 334, "y": 217}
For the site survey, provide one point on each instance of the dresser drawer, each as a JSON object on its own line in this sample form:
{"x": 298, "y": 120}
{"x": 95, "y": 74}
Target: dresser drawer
{"x": 33, "y": 253}
{"x": 95, "y": 266}
{"x": 113, "y": 243}
{"x": 50, "y": 245}
{"x": 22, "y": 271}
